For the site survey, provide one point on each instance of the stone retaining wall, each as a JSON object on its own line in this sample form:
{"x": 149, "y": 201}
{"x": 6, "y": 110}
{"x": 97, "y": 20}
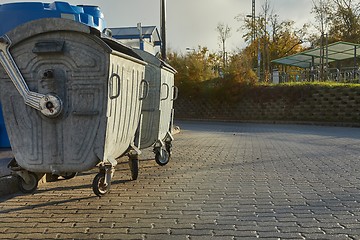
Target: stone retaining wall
{"x": 307, "y": 104}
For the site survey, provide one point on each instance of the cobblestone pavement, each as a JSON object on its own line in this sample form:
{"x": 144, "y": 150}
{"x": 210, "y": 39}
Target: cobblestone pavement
{"x": 225, "y": 181}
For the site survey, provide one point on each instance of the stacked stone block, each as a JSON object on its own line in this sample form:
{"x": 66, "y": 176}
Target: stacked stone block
{"x": 306, "y": 104}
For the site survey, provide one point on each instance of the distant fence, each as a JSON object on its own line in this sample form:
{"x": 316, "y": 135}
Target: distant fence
{"x": 343, "y": 75}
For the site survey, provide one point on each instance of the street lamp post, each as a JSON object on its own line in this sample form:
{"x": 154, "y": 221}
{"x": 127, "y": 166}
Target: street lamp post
{"x": 163, "y": 29}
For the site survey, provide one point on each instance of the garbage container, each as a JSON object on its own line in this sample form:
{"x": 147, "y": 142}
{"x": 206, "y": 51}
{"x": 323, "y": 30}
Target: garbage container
{"x": 71, "y": 100}
{"x": 157, "y": 108}
{"x": 15, "y": 14}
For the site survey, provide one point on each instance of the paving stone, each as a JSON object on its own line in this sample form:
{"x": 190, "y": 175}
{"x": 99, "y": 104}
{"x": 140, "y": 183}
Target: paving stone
{"x": 224, "y": 181}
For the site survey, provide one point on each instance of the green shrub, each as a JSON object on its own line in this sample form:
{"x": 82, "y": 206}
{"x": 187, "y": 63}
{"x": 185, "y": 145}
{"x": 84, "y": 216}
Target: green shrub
{"x": 230, "y": 91}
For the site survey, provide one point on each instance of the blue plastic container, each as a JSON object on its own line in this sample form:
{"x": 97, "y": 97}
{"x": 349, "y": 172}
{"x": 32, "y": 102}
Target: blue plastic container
{"x": 15, "y": 14}
{"x": 4, "y": 140}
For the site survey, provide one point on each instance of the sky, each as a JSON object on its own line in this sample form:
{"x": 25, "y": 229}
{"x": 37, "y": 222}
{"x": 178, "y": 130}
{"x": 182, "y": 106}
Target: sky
{"x": 191, "y": 23}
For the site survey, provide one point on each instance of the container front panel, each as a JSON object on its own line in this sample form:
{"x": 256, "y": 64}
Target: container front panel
{"x": 78, "y": 75}
{"x": 150, "y": 107}
{"x": 124, "y": 105}
{"x": 157, "y": 108}
{"x": 166, "y": 102}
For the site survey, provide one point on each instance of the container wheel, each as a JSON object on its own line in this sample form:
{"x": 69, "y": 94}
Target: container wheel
{"x": 168, "y": 147}
{"x": 162, "y": 159}
{"x": 28, "y": 187}
{"x": 99, "y": 186}
{"x": 52, "y": 177}
{"x": 69, "y": 175}
{"x": 134, "y": 167}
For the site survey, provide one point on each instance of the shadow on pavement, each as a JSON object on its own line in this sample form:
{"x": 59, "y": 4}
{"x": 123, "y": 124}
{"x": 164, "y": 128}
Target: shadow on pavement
{"x": 45, "y": 204}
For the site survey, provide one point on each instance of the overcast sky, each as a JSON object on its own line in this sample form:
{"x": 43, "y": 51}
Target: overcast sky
{"x": 193, "y": 22}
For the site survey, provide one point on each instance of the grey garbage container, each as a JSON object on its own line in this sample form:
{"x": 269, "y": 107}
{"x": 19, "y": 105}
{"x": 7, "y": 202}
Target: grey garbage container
{"x": 157, "y": 108}
{"x": 72, "y": 100}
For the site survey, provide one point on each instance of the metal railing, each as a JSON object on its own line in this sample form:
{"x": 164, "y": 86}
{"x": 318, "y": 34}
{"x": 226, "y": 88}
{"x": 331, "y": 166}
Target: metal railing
{"x": 342, "y": 75}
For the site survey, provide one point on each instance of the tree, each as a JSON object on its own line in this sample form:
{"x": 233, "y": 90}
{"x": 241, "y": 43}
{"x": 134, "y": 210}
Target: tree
{"x": 277, "y": 38}
{"x": 194, "y": 68}
{"x": 345, "y": 24}
{"x": 240, "y": 68}
{"x": 224, "y": 32}
{"x": 339, "y": 18}
{"x": 323, "y": 11}
{"x": 285, "y": 38}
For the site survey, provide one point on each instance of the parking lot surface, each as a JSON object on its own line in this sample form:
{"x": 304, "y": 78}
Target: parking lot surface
{"x": 224, "y": 181}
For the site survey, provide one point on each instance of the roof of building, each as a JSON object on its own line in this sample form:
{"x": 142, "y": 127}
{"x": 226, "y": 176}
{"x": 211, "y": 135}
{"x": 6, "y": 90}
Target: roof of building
{"x": 336, "y": 52}
{"x": 151, "y": 59}
{"x": 150, "y": 32}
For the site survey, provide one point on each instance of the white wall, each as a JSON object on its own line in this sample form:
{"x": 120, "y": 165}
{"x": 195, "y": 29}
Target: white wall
{"x": 134, "y": 43}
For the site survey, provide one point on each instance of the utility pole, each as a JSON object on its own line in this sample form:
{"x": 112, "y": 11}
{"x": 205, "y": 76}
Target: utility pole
{"x": 322, "y": 42}
{"x": 141, "y": 40}
{"x": 163, "y": 29}
{"x": 254, "y": 37}
{"x": 253, "y": 21}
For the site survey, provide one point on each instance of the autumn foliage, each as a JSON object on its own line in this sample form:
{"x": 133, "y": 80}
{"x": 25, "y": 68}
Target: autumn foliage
{"x": 226, "y": 74}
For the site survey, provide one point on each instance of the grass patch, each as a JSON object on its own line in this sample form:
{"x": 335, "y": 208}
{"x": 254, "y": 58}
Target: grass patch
{"x": 229, "y": 91}
{"x": 320, "y": 84}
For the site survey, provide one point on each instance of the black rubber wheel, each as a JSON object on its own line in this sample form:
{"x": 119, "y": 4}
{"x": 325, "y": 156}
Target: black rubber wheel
{"x": 168, "y": 147}
{"x": 69, "y": 175}
{"x": 30, "y": 187}
{"x": 164, "y": 159}
{"x": 99, "y": 188}
{"x": 51, "y": 177}
{"x": 134, "y": 168}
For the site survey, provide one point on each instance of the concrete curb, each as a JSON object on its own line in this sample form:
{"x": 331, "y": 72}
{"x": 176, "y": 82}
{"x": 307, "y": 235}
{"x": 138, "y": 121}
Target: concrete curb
{"x": 175, "y": 130}
{"x": 314, "y": 123}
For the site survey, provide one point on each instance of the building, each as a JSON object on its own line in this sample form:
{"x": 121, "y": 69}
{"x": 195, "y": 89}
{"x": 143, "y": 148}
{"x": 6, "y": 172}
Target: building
{"x": 150, "y": 41}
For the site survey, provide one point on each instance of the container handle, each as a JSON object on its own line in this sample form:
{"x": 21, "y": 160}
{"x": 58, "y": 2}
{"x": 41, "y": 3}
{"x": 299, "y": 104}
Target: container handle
{"x": 111, "y": 86}
{"x": 49, "y": 47}
{"x": 167, "y": 91}
{"x": 175, "y": 93}
{"x": 144, "y": 84}
{"x": 49, "y": 104}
